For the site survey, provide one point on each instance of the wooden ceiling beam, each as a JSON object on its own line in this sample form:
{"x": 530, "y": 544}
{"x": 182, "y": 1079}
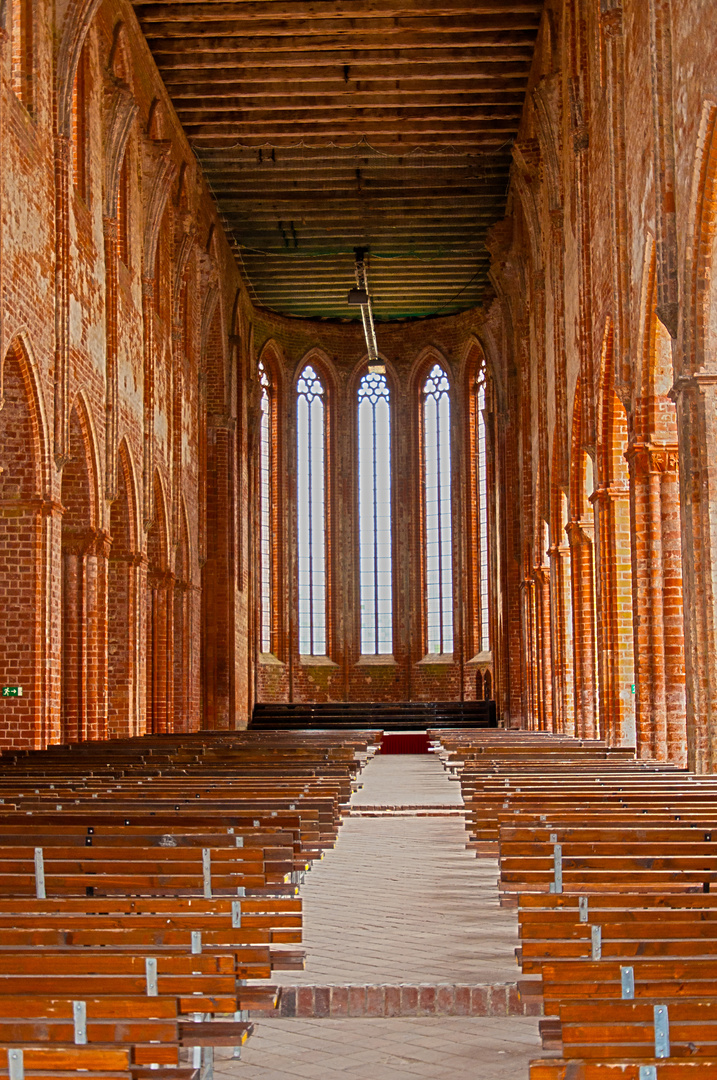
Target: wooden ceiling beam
{"x": 323, "y": 111}
{"x": 349, "y": 119}
{"x": 226, "y": 52}
{"x": 343, "y": 34}
{"x": 327, "y": 104}
{"x": 320, "y": 123}
{"x": 445, "y": 142}
{"x": 491, "y": 15}
{"x": 306, "y": 202}
{"x": 330, "y": 93}
{"x": 406, "y": 131}
{"x": 310, "y": 80}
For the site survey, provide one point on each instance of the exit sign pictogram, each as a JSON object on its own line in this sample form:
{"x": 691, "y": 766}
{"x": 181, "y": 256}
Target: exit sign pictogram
{"x": 12, "y": 691}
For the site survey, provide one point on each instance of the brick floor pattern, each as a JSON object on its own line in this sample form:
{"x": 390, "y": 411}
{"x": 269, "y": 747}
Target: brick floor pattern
{"x": 404, "y": 1048}
{"x": 407, "y": 943}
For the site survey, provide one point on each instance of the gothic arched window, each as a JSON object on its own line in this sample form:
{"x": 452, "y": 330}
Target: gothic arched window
{"x": 481, "y": 465}
{"x": 311, "y": 461}
{"x": 265, "y": 487}
{"x": 438, "y": 534}
{"x": 374, "y": 447}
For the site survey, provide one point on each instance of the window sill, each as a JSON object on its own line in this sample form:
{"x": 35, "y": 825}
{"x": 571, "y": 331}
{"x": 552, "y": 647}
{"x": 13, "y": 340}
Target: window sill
{"x": 381, "y": 660}
{"x": 316, "y": 661}
{"x": 269, "y": 660}
{"x": 430, "y": 659}
{"x": 481, "y": 658}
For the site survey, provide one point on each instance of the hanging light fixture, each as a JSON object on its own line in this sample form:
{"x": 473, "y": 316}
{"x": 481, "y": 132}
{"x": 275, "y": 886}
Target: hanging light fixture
{"x": 360, "y": 297}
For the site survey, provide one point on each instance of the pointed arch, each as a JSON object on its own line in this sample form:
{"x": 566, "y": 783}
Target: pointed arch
{"x": 184, "y": 707}
{"x": 614, "y": 560}
{"x": 657, "y": 545}
{"x": 78, "y": 18}
{"x": 25, "y": 630}
{"x": 314, "y": 504}
{"x": 477, "y": 484}
{"x": 435, "y": 486}
{"x": 160, "y": 618}
{"x": 375, "y": 524}
{"x": 123, "y": 605}
{"x": 84, "y": 598}
{"x": 270, "y": 487}
{"x": 701, "y": 327}
{"x": 581, "y": 533}
{"x": 561, "y": 599}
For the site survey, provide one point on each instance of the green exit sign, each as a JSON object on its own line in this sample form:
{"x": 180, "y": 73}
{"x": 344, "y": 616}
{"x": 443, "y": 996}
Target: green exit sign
{"x": 12, "y": 691}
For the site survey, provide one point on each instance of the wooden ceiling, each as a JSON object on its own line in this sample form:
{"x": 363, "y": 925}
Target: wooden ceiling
{"x": 323, "y": 125}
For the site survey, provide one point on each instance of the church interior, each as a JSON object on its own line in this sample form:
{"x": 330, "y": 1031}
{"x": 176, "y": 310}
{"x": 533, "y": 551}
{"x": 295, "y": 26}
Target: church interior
{"x": 358, "y": 500}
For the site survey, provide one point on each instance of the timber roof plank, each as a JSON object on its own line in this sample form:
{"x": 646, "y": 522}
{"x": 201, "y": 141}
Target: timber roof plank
{"x": 323, "y": 125}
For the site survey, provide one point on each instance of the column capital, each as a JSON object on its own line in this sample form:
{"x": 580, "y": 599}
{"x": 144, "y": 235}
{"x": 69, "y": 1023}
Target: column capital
{"x": 649, "y": 457}
{"x": 693, "y": 381}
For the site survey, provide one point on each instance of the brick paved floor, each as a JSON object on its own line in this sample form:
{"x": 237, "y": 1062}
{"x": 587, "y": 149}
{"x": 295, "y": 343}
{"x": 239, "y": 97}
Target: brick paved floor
{"x": 400, "y": 899}
{"x": 471, "y": 1048}
{"x": 405, "y": 780}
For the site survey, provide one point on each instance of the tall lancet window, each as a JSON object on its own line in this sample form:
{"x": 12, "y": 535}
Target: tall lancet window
{"x": 265, "y": 463}
{"x": 311, "y": 425}
{"x": 437, "y": 512}
{"x": 375, "y": 516}
{"x": 482, "y": 490}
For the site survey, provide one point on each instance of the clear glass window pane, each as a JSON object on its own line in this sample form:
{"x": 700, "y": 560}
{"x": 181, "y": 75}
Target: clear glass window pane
{"x": 481, "y": 478}
{"x": 374, "y": 430}
{"x": 265, "y": 455}
{"x": 311, "y": 453}
{"x": 437, "y": 504}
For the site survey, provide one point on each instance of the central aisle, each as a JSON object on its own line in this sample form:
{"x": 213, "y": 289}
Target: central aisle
{"x": 398, "y": 901}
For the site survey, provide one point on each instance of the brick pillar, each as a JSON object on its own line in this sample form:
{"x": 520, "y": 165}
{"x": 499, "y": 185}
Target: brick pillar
{"x": 529, "y": 654}
{"x": 614, "y": 610}
{"x": 111, "y": 348}
{"x": 541, "y": 576}
{"x": 160, "y": 652}
{"x": 657, "y": 602}
{"x": 98, "y": 640}
{"x": 63, "y": 192}
{"x": 182, "y": 677}
{"x": 580, "y": 536}
{"x": 218, "y": 577}
{"x": 562, "y": 640}
{"x": 73, "y": 627}
{"x": 149, "y": 399}
{"x": 139, "y": 606}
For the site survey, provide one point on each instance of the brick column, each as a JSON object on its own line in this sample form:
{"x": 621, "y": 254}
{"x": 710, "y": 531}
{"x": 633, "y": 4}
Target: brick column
{"x": 109, "y": 226}
{"x": 218, "y": 577}
{"x": 528, "y": 652}
{"x": 73, "y": 630}
{"x": 96, "y": 652}
{"x": 160, "y": 652}
{"x": 581, "y": 538}
{"x": 657, "y": 603}
{"x": 562, "y": 640}
{"x": 541, "y": 577}
{"x": 696, "y": 400}
{"x": 181, "y": 675}
{"x": 614, "y": 612}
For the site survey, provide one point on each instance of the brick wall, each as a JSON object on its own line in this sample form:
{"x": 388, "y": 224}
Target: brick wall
{"x": 605, "y": 382}
{"x": 129, "y": 426}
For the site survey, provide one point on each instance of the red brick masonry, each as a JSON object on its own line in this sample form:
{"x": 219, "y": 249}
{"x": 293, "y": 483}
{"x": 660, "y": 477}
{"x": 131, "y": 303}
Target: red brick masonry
{"x": 405, "y": 999}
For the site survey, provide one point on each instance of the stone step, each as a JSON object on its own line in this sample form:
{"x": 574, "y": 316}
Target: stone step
{"x": 333, "y": 1002}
